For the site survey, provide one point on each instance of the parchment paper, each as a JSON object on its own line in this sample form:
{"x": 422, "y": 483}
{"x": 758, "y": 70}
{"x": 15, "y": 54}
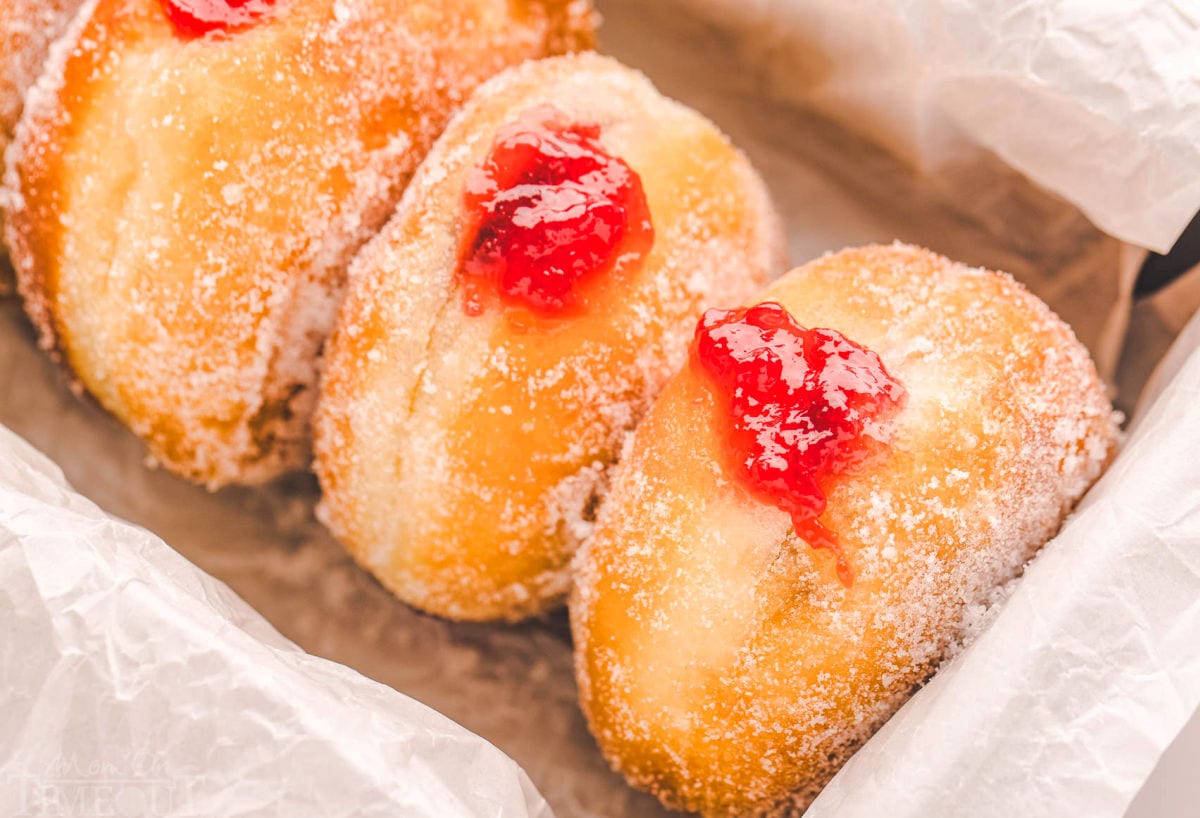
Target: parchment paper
{"x": 1096, "y": 101}
{"x": 513, "y": 686}
{"x": 135, "y": 685}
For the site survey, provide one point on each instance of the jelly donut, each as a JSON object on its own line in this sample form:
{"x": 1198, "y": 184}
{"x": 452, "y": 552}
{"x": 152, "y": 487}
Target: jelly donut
{"x": 810, "y": 509}
{"x": 27, "y": 28}
{"x": 500, "y": 338}
{"x": 193, "y": 176}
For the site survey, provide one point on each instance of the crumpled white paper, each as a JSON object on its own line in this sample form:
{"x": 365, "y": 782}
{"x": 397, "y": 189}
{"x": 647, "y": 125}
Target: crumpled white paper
{"x": 1090, "y": 669}
{"x": 1096, "y": 101}
{"x": 131, "y": 683}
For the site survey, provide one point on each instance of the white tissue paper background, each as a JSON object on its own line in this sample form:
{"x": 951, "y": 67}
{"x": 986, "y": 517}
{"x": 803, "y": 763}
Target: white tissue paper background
{"x": 1096, "y": 100}
{"x": 254, "y": 727}
{"x": 134, "y": 684}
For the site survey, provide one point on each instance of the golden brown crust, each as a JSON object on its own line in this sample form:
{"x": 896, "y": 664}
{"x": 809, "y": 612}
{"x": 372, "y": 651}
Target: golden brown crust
{"x": 460, "y": 459}
{"x": 721, "y": 664}
{"x": 27, "y": 28}
{"x": 187, "y": 208}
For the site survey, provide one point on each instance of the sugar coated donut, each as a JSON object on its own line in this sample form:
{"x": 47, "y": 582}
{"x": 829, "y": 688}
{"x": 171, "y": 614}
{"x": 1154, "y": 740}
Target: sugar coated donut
{"x": 193, "y": 176}
{"x": 27, "y": 28}
{"x": 924, "y": 426}
{"x": 537, "y": 285}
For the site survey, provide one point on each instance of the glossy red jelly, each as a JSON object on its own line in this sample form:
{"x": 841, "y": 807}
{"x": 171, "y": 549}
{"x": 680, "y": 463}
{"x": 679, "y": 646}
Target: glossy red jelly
{"x": 195, "y": 18}
{"x": 548, "y": 212}
{"x": 804, "y": 405}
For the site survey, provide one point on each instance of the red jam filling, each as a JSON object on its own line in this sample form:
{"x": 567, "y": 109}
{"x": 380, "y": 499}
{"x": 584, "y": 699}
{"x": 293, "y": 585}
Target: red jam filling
{"x": 548, "y": 212}
{"x": 804, "y": 405}
{"x": 195, "y": 18}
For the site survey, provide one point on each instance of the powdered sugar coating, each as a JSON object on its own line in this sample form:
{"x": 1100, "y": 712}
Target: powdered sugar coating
{"x": 27, "y": 28}
{"x": 721, "y": 664}
{"x": 183, "y": 210}
{"x": 462, "y": 460}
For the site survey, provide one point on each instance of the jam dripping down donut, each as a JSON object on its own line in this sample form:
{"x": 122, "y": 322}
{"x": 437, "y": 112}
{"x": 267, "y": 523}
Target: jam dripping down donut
{"x": 803, "y": 405}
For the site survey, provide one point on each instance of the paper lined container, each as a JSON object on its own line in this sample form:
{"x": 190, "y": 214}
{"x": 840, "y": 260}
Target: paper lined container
{"x": 513, "y": 686}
